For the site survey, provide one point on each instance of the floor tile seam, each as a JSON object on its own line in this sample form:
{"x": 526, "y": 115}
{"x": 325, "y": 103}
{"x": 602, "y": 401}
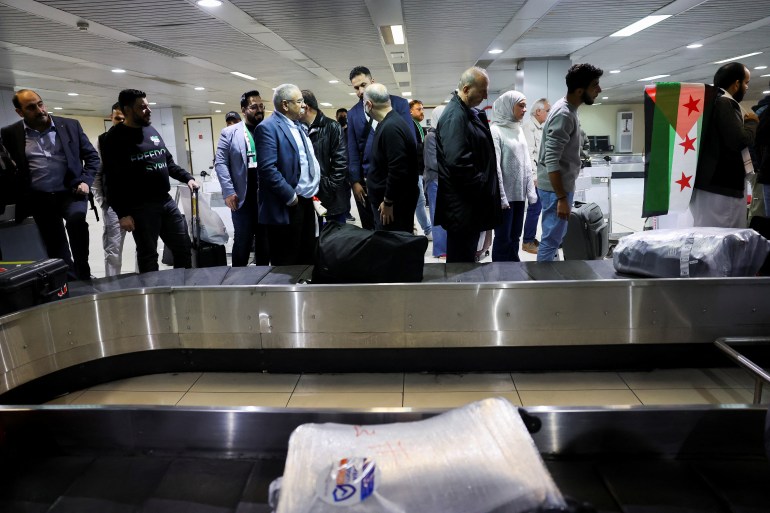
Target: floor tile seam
{"x": 200, "y": 375}
{"x": 293, "y": 390}
{"x": 693, "y": 388}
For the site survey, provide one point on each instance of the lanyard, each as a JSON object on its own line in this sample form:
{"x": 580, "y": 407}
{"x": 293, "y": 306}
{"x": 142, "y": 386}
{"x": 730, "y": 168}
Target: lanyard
{"x": 422, "y": 132}
{"x": 251, "y": 152}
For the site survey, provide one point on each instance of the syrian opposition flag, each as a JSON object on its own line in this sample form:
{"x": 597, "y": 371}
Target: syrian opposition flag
{"x": 675, "y": 115}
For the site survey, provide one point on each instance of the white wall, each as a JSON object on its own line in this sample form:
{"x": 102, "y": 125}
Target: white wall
{"x": 603, "y": 120}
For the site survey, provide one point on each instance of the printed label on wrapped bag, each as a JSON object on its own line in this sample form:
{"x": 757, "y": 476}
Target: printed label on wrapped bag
{"x": 349, "y": 481}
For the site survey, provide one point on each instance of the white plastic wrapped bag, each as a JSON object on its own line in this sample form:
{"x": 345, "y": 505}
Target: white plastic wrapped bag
{"x": 692, "y": 252}
{"x": 479, "y": 458}
{"x": 213, "y": 228}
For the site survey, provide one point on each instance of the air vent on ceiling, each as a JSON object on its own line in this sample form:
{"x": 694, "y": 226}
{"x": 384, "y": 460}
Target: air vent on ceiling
{"x": 404, "y": 84}
{"x": 401, "y": 67}
{"x": 484, "y": 64}
{"x": 146, "y": 45}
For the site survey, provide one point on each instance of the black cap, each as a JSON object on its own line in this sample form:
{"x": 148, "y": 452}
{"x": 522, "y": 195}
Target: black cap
{"x": 232, "y": 115}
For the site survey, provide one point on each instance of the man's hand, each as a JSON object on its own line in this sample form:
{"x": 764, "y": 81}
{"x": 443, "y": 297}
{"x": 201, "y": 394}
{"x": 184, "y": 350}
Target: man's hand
{"x": 232, "y": 202}
{"x": 82, "y": 189}
{"x": 192, "y": 184}
{"x": 359, "y": 193}
{"x": 386, "y": 214}
{"x": 127, "y": 223}
{"x": 563, "y": 209}
{"x": 294, "y": 202}
{"x": 751, "y": 116}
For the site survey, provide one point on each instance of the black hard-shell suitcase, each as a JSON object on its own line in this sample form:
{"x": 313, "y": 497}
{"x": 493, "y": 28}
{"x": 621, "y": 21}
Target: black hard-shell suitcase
{"x": 587, "y": 235}
{"x": 33, "y": 284}
{"x": 204, "y": 253}
{"x": 349, "y": 254}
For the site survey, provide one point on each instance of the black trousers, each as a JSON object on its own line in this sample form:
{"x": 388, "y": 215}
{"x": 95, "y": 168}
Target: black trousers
{"x": 294, "y": 243}
{"x": 248, "y": 232}
{"x": 403, "y": 210}
{"x": 461, "y": 246}
{"x": 365, "y": 212}
{"x": 59, "y": 211}
{"x": 160, "y": 219}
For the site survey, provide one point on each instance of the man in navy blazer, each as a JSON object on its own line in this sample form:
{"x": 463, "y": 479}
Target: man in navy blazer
{"x": 236, "y": 168}
{"x": 360, "y": 134}
{"x": 56, "y": 165}
{"x": 288, "y": 179}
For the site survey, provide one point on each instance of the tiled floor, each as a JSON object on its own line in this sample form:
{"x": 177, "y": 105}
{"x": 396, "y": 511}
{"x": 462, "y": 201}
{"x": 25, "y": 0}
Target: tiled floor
{"x": 659, "y": 387}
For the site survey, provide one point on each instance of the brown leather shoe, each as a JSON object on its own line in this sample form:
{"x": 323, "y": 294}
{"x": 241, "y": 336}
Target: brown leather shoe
{"x": 529, "y": 247}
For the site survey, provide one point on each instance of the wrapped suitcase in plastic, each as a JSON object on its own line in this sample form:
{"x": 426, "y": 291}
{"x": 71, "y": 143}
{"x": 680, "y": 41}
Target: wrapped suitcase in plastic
{"x": 587, "y": 236}
{"x": 25, "y": 286}
{"x": 692, "y": 252}
{"x": 349, "y": 254}
{"x": 204, "y": 254}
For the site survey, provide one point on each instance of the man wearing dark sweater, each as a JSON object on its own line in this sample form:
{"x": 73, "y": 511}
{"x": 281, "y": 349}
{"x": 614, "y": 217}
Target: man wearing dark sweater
{"x": 137, "y": 166}
{"x": 392, "y": 177}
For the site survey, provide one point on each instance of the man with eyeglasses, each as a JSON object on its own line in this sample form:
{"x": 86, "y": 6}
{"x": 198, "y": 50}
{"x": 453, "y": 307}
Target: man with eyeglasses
{"x": 236, "y": 167}
{"x": 533, "y": 132}
{"x": 289, "y": 176}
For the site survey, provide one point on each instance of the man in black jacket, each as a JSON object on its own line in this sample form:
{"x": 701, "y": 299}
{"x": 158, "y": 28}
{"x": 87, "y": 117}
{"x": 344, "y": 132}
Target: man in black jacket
{"x": 468, "y": 201}
{"x": 137, "y": 166}
{"x": 56, "y": 165}
{"x": 392, "y": 177}
{"x": 330, "y": 150}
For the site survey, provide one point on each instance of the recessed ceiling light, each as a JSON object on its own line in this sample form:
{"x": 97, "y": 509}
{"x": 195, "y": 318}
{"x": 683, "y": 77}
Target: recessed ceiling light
{"x": 614, "y": 71}
{"x": 352, "y": 94}
{"x": 598, "y": 103}
{"x": 73, "y": 94}
{"x": 768, "y": 75}
{"x": 209, "y": 3}
{"x": 242, "y": 75}
{"x": 325, "y": 104}
{"x": 118, "y": 70}
{"x": 152, "y": 103}
{"x": 218, "y": 111}
{"x": 57, "y": 108}
{"x": 495, "y": 51}
{"x": 334, "y": 81}
{"x": 654, "y": 77}
{"x": 640, "y": 25}
{"x": 407, "y": 93}
{"x": 200, "y": 88}
{"x": 760, "y": 67}
{"x": 765, "y": 92}
{"x": 216, "y": 103}
{"x": 446, "y": 101}
{"x": 398, "y": 34}
{"x": 694, "y": 45}
{"x": 737, "y": 57}
{"x": 605, "y": 97}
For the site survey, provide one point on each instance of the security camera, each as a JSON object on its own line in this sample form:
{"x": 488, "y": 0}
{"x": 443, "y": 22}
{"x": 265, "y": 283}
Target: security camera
{"x": 82, "y": 25}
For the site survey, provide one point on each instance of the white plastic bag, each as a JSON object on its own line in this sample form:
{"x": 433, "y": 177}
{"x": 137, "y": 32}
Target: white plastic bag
{"x": 477, "y": 458}
{"x": 213, "y": 229}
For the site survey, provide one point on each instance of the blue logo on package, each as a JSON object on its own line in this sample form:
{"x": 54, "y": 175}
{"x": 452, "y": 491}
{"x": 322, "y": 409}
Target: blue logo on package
{"x": 367, "y": 482}
{"x": 343, "y": 492}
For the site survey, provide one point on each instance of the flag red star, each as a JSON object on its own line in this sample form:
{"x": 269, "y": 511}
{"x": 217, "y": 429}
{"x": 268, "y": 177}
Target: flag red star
{"x": 684, "y": 182}
{"x": 688, "y": 144}
{"x": 692, "y": 105}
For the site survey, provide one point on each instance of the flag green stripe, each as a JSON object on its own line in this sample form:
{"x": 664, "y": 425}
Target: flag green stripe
{"x": 657, "y": 186}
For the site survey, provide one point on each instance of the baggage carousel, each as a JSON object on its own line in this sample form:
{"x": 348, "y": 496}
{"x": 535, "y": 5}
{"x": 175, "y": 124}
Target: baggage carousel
{"x": 484, "y": 317}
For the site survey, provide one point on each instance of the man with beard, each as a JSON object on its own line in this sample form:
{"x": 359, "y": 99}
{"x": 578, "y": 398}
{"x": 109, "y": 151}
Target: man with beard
{"x": 558, "y": 163}
{"x": 137, "y": 166}
{"x": 236, "y": 167}
{"x": 718, "y": 196}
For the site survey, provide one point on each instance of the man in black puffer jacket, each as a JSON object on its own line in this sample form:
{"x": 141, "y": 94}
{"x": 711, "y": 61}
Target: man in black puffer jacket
{"x": 468, "y": 201}
{"x": 331, "y": 152}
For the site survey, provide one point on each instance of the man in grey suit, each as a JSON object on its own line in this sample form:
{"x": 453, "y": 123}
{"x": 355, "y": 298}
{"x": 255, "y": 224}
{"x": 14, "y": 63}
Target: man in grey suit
{"x": 236, "y": 168}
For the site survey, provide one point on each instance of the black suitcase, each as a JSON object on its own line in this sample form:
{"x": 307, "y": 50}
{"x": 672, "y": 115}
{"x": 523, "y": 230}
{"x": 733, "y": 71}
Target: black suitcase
{"x": 761, "y": 225}
{"x": 204, "y": 253}
{"x": 349, "y": 254}
{"x": 33, "y": 284}
{"x": 587, "y": 235}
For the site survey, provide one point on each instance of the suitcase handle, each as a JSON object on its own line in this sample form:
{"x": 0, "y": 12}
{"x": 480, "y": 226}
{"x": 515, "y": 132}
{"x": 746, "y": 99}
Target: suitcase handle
{"x": 196, "y": 219}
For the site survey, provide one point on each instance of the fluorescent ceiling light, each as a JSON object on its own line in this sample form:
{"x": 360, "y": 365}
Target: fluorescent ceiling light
{"x": 209, "y": 3}
{"x": 760, "y": 67}
{"x": 200, "y": 88}
{"x": 495, "y": 51}
{"x": 640, "y": 25}
{"x": 73, "y": 94}
{"x": 152, "y": 103}
{"x": 737, "y": 57}
{"x": 407, "y": 93}
{"x": 768, "y": 75}
{"x": 765, "y": 92}
{"x": 597, "y": 103}
{"x": 325, "y": 104}
{"x": 242, "y": 75}
{"x": 398, "y": 34}
{"x": 654, "y": 77}
{"x": 118, "y": 70}
{"x": 605, "y": 97}
{"x": 694, "y": 45}
{"x": 218, "y": 111}
{"x": 57, "y": 108}
{"x": 352, "y": 94}
{"x": 216, "y": 103}
{"x": 614, "y": 71}
{"x": 334, "y": 81}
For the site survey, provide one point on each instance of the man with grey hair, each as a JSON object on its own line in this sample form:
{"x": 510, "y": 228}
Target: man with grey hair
{"x": 468, "y": 201}
{"x": 533, "y": 132}
{"x": 392, "y": 177}
{"x": 288, "y": 179}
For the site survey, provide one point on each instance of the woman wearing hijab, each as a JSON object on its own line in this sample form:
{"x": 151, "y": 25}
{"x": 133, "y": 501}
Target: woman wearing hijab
{"x": 430, "y": 177}
{"x": 514, "y": 173}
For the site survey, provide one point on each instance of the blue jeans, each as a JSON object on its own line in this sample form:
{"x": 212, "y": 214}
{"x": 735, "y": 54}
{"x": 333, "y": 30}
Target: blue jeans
{"x": 422, "y": 215}
{"x": 553, "y": 227}
{"x": 766, "y": 191}
{"x": 439, "y": 234}
{"x": 533, "y": 215}
{"x": 505, "y": 247}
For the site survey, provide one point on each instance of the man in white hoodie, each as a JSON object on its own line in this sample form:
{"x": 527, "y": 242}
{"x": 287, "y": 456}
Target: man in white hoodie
{"x": 533, "y": 131}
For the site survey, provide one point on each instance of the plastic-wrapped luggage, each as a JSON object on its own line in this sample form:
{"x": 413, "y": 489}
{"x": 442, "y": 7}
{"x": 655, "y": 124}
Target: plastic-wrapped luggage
{"x": 478, "y": 458}
{"x": 692, "y": 252}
